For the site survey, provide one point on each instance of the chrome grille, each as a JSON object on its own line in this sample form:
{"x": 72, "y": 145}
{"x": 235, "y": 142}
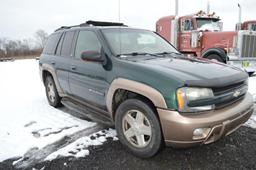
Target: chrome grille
{"x": 226, "y": 94}
{"x": 248, "y": 46}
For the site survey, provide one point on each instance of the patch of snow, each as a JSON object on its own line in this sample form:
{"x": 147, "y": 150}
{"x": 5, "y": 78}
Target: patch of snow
{"x": 252, "y": 89}
{"x": 27, "y": 120}
{"x": 79, "y": 148}
{"x": 252, "y": 121}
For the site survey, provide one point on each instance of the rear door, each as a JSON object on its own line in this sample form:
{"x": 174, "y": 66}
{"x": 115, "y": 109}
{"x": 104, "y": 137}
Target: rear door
{"x": 63, "y": 59}
{"x": 87, "y": 79}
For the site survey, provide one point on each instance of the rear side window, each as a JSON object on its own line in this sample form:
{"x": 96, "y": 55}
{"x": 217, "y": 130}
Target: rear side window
{"x": 87, "y": 41}
{"x": 52, "y": 44}
{"x": 67, "y": 43}
{"x": 58, "y": 50}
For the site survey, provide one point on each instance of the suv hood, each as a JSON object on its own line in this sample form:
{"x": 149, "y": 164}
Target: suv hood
{"x": 195, "y": 72}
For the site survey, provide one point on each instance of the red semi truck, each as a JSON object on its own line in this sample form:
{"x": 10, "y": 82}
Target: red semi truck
{"x": 201, "y": 35}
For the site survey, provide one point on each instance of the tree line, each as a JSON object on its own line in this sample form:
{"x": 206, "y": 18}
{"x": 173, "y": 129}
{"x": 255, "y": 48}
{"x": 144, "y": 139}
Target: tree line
{"x": 13, "y": 49}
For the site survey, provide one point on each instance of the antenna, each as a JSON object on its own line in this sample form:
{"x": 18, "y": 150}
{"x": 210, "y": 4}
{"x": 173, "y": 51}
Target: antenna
{"x": 119, "y": 10}
{"x": 119, "y": 18}
{"x": 208, "y": 7}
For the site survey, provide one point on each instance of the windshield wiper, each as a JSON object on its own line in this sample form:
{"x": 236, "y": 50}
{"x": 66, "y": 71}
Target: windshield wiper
{"x": 136, "y": 54}
{"x": 165, "y": 53}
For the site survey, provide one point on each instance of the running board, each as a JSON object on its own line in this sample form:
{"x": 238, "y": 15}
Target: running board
{"x": 90, "y": 113}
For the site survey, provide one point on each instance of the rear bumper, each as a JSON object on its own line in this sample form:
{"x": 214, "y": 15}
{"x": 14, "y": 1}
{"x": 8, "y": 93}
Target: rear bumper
{"x": 178, "y": 129}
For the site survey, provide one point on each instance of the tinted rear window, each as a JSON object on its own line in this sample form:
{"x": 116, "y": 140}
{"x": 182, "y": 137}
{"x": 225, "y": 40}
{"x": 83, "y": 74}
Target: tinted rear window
{"x": 52, "y": 44}
{"x": 67, "y": 43}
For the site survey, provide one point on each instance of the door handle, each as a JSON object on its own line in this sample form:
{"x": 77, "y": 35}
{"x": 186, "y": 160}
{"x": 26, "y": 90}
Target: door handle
{"x": 53, "y": 62}
{"x": 73, "y": 67}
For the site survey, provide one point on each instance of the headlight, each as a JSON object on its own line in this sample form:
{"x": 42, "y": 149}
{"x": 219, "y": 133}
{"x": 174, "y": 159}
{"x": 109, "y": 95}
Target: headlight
{"x": 185, "y": 95}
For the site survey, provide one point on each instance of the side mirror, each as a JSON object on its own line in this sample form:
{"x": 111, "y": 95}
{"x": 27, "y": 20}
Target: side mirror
{"x": 93, "y": 56}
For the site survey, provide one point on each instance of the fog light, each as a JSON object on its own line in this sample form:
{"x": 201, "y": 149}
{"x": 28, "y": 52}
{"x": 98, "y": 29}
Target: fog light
{"x": 201, "y": 133}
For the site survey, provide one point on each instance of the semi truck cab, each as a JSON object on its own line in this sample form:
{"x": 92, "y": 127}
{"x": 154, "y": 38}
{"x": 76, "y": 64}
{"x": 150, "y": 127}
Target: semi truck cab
{"x": 201, "y": 35}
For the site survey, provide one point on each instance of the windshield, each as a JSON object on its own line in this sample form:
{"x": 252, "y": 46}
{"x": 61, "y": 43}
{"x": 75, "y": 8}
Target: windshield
{"x": 209, "y": 24}
{"x": 127, "y": 41}
{"x": 252, "y": 27}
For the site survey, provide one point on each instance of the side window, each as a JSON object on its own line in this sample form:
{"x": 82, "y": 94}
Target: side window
{"x": 188, "y": 25}
{"x": 87, "y": 41}
{"x": 67, "y": 43}
{"x": 52, "y": 44}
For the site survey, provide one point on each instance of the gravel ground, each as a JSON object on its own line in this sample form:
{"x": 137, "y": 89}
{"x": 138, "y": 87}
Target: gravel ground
{"x": 237, "y": 151}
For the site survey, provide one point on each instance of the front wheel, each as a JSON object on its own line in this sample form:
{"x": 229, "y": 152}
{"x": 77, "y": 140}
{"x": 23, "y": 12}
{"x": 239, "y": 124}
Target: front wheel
{"x": 138, "y": 128}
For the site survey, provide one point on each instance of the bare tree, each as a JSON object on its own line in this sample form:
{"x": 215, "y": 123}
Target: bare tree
{"x": 13, "y": 49}
{"x": 1, "y": 48}
{"x": 41, "y": 38}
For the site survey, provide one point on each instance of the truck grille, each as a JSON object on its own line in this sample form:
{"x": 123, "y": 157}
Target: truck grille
{"x": 248, "y": 46}
{"x": 226, "y": 94}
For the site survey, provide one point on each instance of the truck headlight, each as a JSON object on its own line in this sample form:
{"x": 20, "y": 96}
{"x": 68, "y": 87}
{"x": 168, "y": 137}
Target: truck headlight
{"x": 185, "y": 95}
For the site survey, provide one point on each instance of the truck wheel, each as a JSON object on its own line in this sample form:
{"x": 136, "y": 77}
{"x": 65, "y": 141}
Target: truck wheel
{"x": 51, "y": 92}
{"x": 138, "y": 128}
{"x": 215, "y": 57}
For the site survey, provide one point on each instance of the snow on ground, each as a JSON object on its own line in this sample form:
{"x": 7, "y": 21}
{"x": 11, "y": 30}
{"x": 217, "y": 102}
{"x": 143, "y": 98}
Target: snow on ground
{"x": 79, "y": 148}
{"x": 252, "y": 89}
{"x": 27, "y": 120}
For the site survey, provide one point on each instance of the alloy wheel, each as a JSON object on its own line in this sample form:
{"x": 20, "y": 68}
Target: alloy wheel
{"x": 137, "y": 128}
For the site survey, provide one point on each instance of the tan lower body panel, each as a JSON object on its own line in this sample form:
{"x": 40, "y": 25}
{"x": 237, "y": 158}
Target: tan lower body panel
{"x": 178, "y": 129}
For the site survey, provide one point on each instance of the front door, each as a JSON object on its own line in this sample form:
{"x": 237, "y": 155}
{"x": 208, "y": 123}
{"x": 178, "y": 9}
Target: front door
{"x": 87, "y": 79}
{"x": 185, "y": 35}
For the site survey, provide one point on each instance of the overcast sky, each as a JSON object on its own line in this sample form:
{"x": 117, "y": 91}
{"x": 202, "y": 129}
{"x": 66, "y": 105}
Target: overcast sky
{"x": 22, "y": 18}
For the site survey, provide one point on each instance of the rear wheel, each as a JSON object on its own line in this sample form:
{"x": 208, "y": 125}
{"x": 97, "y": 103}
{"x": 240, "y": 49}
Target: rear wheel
{"x": 138, "y": 128}
{"x": 51, "y": 92}
{"x": 215, "y": 57}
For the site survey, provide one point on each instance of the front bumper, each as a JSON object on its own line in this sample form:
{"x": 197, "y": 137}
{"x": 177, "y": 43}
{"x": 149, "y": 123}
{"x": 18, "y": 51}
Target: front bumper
{"x": 178, "y": 129}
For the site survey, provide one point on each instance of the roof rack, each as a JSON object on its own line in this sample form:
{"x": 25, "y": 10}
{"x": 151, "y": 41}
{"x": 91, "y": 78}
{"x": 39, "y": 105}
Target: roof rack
{"x": 92, "y": 23}
{"x": 102, "y": 23}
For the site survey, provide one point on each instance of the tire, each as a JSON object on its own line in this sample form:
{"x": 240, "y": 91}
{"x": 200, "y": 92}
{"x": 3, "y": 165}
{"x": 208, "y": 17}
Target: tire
{"x": 215, "y": 57}
{"x": 138, "y": 128}
{"x": 51, "y": 92}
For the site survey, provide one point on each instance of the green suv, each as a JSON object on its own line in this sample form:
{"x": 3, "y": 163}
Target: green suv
{"x": 138, "y": 82}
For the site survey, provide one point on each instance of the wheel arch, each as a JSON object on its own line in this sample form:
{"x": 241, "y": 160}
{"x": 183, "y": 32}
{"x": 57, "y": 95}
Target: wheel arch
{"x": 137, "y": 89}
{"x": 45, "y": 73}
{"x": 47, "y": 69}
{"x": 218, "y": 51}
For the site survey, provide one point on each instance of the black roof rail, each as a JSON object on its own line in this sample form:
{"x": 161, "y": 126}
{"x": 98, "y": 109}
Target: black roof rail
{"x": 92, "y": 23}
{"x": 62, "y": 28}
{"x": 103, "y": 23}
